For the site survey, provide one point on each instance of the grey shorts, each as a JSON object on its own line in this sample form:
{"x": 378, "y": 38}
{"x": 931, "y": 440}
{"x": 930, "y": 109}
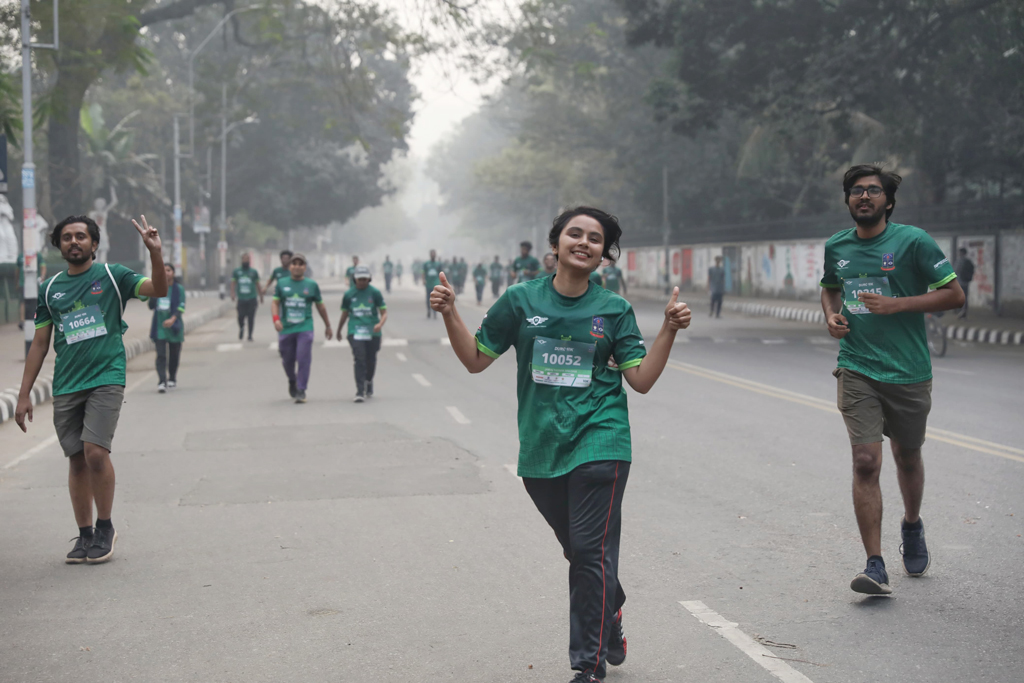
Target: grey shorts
{"x": 872, "y": 409}
{"x": 87, "y": 416}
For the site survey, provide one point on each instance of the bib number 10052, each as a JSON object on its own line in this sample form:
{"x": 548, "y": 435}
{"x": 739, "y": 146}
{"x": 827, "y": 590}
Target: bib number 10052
{"x": 562, "y": 359}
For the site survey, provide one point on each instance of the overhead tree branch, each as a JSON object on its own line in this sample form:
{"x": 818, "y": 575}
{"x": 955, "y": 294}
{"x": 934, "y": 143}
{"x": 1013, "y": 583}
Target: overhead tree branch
{"x": 175, "y": 10}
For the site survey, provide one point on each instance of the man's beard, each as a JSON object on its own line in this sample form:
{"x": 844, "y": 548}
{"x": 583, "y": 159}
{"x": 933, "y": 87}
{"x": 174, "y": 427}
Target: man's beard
{"x": 867, "y": 220}
{"x": 81, "y": 258}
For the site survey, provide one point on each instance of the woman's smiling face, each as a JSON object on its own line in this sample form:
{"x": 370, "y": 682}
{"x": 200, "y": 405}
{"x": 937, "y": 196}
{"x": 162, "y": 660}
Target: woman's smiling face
{"x": 581, "y": 244}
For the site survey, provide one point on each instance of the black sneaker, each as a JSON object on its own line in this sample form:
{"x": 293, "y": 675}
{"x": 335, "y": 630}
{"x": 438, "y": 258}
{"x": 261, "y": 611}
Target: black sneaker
{"x": 239, "y": 334}
{"x": 585, "y": 677}
{"x": 292, "y": 391}
{"x": 102, "y": 548}
{"x": 916, "y": 559}
{"x": 616, "y": 642}
{"x": 80, "y": 551}
{"x": 874, "y": 580}
{"x": 369, "y": 390}
{"x": 300, "y": 396}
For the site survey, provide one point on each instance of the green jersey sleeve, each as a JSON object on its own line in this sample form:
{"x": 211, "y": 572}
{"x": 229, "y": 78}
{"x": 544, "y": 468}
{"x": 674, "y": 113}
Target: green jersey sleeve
{"x": 278, "y": 295}
{"x": 128, "y": 281}
{"x": 317, "y": 297}
{"x": 43, "y": 317}
{"x": 378, "y": 300}
{"x": 931, "y": 263}
{"x": 181, "y": 297}
{"x": 346, "y": 301}
{"x": 499, "y": 328}
{"x": 829, "y": 278}
{"x": 628, "y": 344}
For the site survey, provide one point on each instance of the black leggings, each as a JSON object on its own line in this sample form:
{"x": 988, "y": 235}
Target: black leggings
{"x": 584, "y": 509}
{"x": 246, "y": 312}
{"x": 167, "y": 369}
{"x": 364, "y": 361}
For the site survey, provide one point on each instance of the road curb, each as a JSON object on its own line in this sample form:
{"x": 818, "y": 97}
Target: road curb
{"x": 42, "y": 390}
{"x": 967, "y": 333}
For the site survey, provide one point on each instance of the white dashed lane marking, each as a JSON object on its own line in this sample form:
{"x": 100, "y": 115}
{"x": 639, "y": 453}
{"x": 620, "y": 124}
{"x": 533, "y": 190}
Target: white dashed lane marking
{"x": 230, "y": 347}
{"x": 421, "y": 379}
{"x": 774, "y": 664}
{"x": 457, "y": 415}
{"x": 402, "y": 357}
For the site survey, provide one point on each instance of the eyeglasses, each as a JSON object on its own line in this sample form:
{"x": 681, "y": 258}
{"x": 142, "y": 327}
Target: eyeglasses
{"x": 874, "y": 191}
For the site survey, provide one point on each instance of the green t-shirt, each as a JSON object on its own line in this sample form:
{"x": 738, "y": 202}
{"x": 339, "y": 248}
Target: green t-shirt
{"x": 364, "y": 307}
{"x": 350, "y": 273}
{"x": 612, "y": 278}
{"x": 296, "y": 299}
{"x": 389, "y": 267}
{"x": 431, "y": 274}
{"x": 246, "y": 283}
{"x": 163, "y": 312}
{"x": 398, "y": 269}
{"x": 572, "y": 406}
{"x": 526, "y": 268}
{"x": 595, "y": 277}
{"x": 497, "y": 272}
{"x": 87, "y": 336}
{"x": 480, "y": 275}
{"x": 901, "y": 261}
{"x": 280, "y": 273}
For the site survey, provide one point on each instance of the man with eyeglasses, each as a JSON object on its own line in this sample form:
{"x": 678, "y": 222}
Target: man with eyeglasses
{"x": 880, "y": 279}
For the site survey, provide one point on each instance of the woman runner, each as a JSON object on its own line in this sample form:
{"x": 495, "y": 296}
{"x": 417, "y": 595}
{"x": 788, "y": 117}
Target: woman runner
{"x": 574, "y": 441}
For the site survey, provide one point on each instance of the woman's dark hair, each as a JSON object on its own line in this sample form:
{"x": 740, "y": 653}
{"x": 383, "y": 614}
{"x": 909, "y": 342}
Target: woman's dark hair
{"x": 609, "y": 223}
{"x": 890, "y": 183}
{"x": 90, "y": 225}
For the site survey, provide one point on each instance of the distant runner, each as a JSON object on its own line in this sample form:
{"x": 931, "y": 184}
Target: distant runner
{"x": 292, "y": 311}
{"x": 282, "y": 272}
{"x": 168, "y": 331}
{"x": 880, "y": 279}
{"x": 398, "y": 272}
{"x": 389, "y": 271}
{"x": 613, "y": 278}
{"x": 574, "y": 443}
{"x": 245, "y": 287}
{"x": 526, "y": 266}
{"x": 364, "y": 308}
{"x": 87, "y": 302}
{"x": 595, "y": 277}
{"x": 497, "y": 275}
{"x": 550, "y": 264}
{"x": 431, "y": 270}
{"x": 480, "y": 280}
{"x": 351, "y": 271}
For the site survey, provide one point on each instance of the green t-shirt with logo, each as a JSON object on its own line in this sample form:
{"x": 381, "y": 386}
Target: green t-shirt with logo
{"x": 89, "y": 325}
{"x": 526, "y": 268}
{"x": 480, "y": 275}
{"x": 612, "y": 278}
{"x": 572, "y": 406}
{"x": 246, "y": 283}
{"x": 900, "y": 261}
{"x": 389, "y": 268}
{"x": 296, "y": 299}
{"x": 432, "y": 274}
{"x": 364, "y": 307}
{"x": 497, "y": 272}
{"x": 175, "y": 334}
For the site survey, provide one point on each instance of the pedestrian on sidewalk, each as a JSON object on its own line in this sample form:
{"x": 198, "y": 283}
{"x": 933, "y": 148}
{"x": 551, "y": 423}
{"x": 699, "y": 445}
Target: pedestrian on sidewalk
{"x": 364, "y": 309}
{"x": 716, "y": 286}
{"x": 168, "y": 331}
{"x": 292, "y": 311}
{"x": 87, "y": 303}
{"x": 574, "y": 442}
{"x": 880, "y": 279}
{"x": 245, "y": 287}
{"x": 964, "y": 273}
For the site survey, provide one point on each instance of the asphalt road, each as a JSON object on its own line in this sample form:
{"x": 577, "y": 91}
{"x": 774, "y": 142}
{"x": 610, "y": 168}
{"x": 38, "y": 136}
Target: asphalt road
{"x": 260, "y": 540}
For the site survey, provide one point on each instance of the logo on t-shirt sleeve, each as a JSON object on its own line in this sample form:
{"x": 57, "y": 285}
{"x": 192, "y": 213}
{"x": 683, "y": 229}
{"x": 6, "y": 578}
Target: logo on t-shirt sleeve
{"x": 888, "y": 262}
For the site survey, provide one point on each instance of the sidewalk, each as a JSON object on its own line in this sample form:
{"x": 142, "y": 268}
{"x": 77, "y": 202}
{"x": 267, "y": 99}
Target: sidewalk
{"x": 983, "y": 325}
{"x": 200, "y": 308}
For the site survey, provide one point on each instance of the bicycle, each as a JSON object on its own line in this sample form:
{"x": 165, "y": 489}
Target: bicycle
{"x": 936, "y": 334}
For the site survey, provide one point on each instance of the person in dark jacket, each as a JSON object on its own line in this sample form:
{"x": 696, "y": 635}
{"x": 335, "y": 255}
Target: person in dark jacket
{"x": 168, "y": 331}
{"x": 964, "y": 268}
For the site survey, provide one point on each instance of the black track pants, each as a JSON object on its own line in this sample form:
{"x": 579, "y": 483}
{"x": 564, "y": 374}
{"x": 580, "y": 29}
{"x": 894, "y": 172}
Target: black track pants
{"x": 364, "y": 360}
{"x": 168, "y": 355}
{"x": 584, "y": 508}
{"x": 246, "y": 314}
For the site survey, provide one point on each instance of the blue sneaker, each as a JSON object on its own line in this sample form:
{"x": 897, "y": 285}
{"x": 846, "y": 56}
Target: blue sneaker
{"x": 916, "y": 559}
{"x": 874, "y": 580}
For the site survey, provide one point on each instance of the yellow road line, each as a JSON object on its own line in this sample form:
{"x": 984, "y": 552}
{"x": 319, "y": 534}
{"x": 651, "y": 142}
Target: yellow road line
{"x": 962, "y": 440}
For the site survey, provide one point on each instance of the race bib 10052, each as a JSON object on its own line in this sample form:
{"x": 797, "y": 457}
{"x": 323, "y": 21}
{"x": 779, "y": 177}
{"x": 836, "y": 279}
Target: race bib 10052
{"x": 855, "y": 286}
{"x": 85, "y": 323}
{"x": 563, "y": 363}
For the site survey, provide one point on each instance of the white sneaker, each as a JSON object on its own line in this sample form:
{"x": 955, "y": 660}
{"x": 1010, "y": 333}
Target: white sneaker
{"x": 161, "y": 388}
{"x": 358, "y": 399}
{"x": 171, "y": 384}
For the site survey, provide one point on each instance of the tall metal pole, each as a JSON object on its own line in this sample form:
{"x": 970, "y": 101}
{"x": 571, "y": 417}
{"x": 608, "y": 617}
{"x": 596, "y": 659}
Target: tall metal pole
{"x": 28, "y": 182}
{"x": 222, "y": 245}
{"x": 665, "y": 226}
{"x": 177, "y": 197}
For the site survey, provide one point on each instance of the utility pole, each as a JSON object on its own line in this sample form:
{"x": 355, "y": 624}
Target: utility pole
{"x": 222, "y": 245}
{"x": 177, "y": 195}
{"x": 29, "y": 248}
{"x": 666, "y": 229}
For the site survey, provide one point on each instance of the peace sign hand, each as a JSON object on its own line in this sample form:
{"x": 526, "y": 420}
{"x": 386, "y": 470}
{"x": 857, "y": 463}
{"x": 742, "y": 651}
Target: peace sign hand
{"x": 677, "y": 313}
{"x": 150, "y": 235}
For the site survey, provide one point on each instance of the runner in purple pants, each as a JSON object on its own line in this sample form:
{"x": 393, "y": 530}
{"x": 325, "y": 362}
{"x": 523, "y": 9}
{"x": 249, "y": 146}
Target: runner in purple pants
{"x": 292, "y": 309}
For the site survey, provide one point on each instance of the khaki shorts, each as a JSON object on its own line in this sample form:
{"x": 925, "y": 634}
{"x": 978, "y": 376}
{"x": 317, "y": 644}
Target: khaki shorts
{"x": 872, "y": 409}
{"x": 87, "y": 416}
